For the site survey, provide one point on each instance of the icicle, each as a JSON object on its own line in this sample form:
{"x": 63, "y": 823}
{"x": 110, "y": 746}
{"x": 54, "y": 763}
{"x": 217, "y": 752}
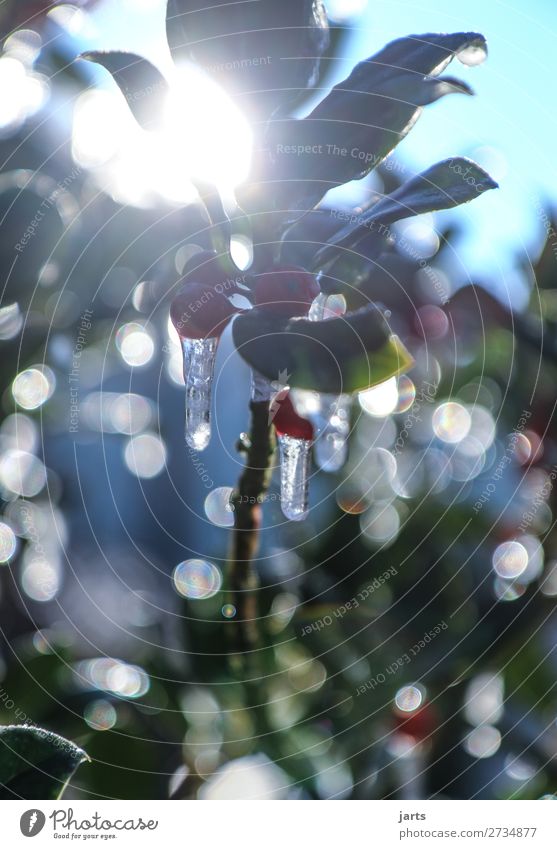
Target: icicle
{"x": 288, "y": 291}
{"x": 332, "y": 427}
{"x": 199, "y": 364}
{"x": 295, "y": 439}
{"x": 295, "y": 455}
{"x": 261, "y": 387}
{"x": 330, "y": 417}
{"x": 329, "y": 414}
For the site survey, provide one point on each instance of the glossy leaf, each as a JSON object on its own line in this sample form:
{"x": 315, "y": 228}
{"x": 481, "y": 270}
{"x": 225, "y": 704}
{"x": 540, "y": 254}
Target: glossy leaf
{"x": 345, "y": 354}
{"x": 35, "y": 764}
{"x": 143, "y": 85}
{"x": 445, "y": 185}
{"x": 362, "y": 119}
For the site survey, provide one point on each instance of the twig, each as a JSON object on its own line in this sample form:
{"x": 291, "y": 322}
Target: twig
{"x": 242, "y": 577}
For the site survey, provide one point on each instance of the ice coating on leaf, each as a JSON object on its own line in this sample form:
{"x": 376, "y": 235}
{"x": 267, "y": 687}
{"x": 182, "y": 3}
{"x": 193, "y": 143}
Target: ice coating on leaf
{"x": 295, "y": 456}
{"x": 36, "y": 764}
{"x": 345, "y": 354}
{"x": 363, "y": 118}
{"x": 445, "y": 185}
{"x": 199, "y": 365}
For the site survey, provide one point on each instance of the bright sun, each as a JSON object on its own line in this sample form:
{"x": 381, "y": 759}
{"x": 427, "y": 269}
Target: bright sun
{"x": 205, "y": 136}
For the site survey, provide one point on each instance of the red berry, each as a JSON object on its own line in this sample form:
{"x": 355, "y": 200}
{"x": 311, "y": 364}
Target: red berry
{"x": 288, "y": 290}
{"x": 419, "y": 724}
{"x": 287, "y": 422}
{"x": 207, "y": 267}
{"x": 199, "y": 311}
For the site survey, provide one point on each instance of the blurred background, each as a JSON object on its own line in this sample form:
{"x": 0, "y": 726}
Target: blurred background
{"x": 412, "y": 616}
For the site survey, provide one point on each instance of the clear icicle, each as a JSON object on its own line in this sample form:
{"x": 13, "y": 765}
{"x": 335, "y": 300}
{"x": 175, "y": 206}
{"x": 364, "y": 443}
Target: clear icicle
{"x": 295, "y": 455}
{"x": 199, "y": 365}
{"x": 329, "y": 414}
{"x": 261, "y": 387}
{"x": 332, "y": 426}
{"x": 330, "y": 417}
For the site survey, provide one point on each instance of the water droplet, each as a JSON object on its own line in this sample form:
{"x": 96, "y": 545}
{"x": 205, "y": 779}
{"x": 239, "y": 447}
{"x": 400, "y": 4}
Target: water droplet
{"x": 327, "y": 306}
{"x": 473, "y": 54}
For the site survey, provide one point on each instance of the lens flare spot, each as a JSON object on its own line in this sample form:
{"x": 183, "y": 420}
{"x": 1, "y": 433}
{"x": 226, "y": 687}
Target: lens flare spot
{"x": 451, "y": 422}
{"x": 32, "y": 387}
{"x": 135, "y": 344}
{"x": 409, "y": 698}
{"x": 145, "y": 455}
{"x": 100, "y": 715}
{"x": 380, "y": 400}
{"x": 8, "y": 543}
{"x": 218, "y": 507}
{"x": 510, "y": 559}
{"x": 197, "y": 579}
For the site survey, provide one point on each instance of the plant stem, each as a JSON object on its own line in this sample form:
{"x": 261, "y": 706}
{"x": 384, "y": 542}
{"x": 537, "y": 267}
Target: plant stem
{"x": 247, "y": 498}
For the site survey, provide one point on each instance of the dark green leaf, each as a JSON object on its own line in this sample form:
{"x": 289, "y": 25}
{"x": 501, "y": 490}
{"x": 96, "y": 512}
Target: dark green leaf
{"x": 346, "y": 354}
{"x": 264, "y": 53}
{"x": 35, "y": 764}
{"x": 443, "y": 186}
{"x": 362, "y": 119}
{"x": 143, "y": 86}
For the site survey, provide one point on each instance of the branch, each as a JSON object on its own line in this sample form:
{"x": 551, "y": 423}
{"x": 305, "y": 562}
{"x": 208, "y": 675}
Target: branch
{"x": 247, "y": 500}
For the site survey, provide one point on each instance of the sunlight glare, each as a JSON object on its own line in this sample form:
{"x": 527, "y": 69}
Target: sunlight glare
{"x": 204, "y": 137}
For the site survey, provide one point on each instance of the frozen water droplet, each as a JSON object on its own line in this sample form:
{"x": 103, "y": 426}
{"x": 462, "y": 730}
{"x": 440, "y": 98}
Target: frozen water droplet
{"x": 327, "y": 306}
{"x": 199, "y": 365}
{"x": 473, "y": 54}
{"x": 294, "y": 476}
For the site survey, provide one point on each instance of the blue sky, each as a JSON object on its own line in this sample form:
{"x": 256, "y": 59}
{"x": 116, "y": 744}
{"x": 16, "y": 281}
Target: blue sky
{"x": 511, "y": 125}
